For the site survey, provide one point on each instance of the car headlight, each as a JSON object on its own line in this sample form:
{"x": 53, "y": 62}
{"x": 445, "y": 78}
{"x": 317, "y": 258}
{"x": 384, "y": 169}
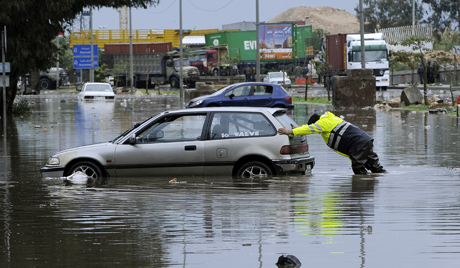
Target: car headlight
{"x": 53, "y": 161}
{"x": 196, "y": 103}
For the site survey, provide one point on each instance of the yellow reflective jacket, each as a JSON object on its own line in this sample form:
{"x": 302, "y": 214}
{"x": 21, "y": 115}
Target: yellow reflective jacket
{"x": 339, "y": 135}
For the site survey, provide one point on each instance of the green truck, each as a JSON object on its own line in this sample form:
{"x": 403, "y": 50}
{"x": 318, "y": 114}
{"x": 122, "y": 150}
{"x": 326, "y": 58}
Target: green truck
{"x": 282, "y": 46}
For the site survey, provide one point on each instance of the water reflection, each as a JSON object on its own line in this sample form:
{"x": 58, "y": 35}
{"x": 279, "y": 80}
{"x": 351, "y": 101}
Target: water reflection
{"x": 408, "y": 217}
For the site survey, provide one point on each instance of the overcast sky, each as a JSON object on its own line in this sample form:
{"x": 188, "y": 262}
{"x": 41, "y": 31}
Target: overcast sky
{"x": 208, "y": 14}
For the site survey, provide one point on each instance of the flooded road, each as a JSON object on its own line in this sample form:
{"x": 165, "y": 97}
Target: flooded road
{"x": 409, "y": 217}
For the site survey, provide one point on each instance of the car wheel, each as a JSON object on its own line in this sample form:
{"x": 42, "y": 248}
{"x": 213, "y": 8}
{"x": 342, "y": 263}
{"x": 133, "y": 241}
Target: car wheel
{"x": 90, "y": 169}
{"x": 254, "y": 169}
{"x": 175, "y": 82}
{"x": 44, "y": 83}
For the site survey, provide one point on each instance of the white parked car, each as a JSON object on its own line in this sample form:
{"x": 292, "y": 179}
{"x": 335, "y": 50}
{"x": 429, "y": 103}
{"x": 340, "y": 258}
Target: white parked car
{"x": 96, "y": 91}
{"x": 278, "y": 78}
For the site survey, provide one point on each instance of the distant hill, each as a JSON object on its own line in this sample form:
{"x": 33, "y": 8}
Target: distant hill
{"x": 333, "y": 20}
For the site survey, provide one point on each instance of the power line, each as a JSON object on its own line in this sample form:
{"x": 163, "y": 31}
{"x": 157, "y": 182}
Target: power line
{"x": 210, "y": 10}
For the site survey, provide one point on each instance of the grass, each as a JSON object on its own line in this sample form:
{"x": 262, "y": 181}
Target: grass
{"x": 316, "y": 100}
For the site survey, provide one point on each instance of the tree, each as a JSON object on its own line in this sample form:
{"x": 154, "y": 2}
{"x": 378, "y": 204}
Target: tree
{"x": 418, "y": 45}
{"x": 388, "y": 13}
{"x": 443, "y": 14}
{"x": 317, "y": 38}
{"x": 34, "y": 26}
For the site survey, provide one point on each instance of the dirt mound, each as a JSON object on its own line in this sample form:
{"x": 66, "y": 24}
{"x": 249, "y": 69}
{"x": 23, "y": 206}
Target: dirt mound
{"x": 330, "y": 19}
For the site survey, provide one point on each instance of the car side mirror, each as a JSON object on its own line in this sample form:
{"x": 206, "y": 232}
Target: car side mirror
{"x": 231, "y": 96}
{"x": 132, "y": 139}
{"x": 160, "y": 134}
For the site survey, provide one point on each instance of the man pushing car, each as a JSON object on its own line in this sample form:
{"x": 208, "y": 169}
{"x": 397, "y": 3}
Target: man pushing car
{"x": 344, "y": 138}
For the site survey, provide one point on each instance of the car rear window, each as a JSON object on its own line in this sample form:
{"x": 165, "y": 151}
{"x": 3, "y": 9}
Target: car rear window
{"x": 284, "y": 119}
{"x": 226, "y": 125}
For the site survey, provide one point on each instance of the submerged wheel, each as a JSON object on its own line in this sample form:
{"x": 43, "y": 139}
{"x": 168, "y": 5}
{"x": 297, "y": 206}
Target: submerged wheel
{"x": 254, "y": 169}
{"x": 89, "y": 168}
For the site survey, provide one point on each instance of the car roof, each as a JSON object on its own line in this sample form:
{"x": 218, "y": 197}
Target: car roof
{"x": 227, "y": 109}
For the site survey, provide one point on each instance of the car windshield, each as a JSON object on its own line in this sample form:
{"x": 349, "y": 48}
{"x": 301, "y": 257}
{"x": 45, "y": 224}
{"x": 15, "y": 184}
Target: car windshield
{"x": 136, "y": 125}
{"x": 100, "y": 88}
{"x": 184, "y": 63}
{"x": 278, "y": 75}
{"x": 218, "y": 92}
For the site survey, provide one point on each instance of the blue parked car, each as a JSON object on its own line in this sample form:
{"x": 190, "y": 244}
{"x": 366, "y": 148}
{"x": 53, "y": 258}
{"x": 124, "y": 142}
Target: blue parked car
{"x": 246, "y": 94}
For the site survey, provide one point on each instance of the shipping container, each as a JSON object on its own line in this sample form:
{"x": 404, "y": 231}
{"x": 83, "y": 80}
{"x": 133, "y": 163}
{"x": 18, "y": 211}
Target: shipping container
{"x": 336, "y": 51}
{"x": 242, "y": 44}
{"x": 138, "y": 48}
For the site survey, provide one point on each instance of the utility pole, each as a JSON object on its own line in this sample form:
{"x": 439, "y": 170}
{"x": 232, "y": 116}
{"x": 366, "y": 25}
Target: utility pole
{"x": 257, "y": 43}
{"x": 361, "y": 24}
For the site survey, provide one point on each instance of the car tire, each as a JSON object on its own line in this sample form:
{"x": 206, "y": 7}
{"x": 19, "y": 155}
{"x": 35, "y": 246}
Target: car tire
{"x": 174, "y": 82}
{"x": 93, "y": 171}
{"x": 44, "y": 83}
{"x": 254, "y": 169}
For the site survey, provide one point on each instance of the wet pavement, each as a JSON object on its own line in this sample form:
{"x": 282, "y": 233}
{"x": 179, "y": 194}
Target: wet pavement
{"x": 409, "y": 217}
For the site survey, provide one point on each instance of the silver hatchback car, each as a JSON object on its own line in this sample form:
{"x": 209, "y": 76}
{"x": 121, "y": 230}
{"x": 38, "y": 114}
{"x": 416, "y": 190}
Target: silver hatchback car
{"x": 237, "y": 141}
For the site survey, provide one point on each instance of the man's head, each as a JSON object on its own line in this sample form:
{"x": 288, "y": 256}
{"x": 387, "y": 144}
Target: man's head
{"x": 313, "y": 119}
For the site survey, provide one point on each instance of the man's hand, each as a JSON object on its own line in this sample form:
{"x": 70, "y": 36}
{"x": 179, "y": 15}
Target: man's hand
{"x": 285, "y": 131}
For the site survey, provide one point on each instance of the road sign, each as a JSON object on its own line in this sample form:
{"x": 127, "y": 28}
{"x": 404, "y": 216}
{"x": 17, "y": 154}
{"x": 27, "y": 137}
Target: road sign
{"x": 84, "y": 62}
{"x": 7, "y": 80}
{"x": 7, "y": 67}
{"x": 84, "y": 50}
{"x": 455, "y": 50}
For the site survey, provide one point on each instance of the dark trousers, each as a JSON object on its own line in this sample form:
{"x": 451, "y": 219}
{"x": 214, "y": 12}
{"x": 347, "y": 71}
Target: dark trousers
{"x": 366, "y": 158}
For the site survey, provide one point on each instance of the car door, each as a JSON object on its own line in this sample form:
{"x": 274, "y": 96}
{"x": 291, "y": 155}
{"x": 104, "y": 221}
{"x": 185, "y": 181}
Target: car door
{"x": 238, "y": 96}
{"x": 171, "y": 146}
{"x": 262, "y": 96}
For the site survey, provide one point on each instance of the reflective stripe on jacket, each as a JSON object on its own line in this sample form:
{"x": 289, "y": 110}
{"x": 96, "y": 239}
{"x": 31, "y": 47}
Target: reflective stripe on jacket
{"x": 341, "y": 136}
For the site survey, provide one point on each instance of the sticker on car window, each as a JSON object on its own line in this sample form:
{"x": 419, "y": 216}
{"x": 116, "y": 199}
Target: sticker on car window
{"x": 246, "y": 133}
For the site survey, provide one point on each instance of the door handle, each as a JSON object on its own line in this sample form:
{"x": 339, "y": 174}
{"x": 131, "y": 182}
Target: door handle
{"x": 190, "y": 147}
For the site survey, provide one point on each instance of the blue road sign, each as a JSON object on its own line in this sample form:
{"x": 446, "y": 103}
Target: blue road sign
{"x": 84, "y": 50}
{"x": 7, "y": 67}
{"x": 84, "y": 62}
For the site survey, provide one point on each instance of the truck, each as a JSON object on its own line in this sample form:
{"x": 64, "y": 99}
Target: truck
{"x": 153, "y": 64}
{"x": 343, "y": 52}
{"x": 48, "y": 80}
{"x": 206, "y": 60}
{"x": 282, "y": 46}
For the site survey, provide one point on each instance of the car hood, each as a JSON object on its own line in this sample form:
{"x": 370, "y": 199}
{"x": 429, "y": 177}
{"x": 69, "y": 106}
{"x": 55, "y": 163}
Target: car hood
{"x": 92, "y": 147}
{"x": 200, "y": 98}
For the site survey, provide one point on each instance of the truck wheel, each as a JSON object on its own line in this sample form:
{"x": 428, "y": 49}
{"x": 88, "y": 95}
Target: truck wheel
{"x": 44, "y": 83}
{"x": 174, "y": 82}
{"x": 215, "y": 72}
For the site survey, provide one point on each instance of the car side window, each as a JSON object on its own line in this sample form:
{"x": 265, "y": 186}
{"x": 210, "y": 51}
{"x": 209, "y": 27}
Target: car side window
{"x": 181, "y": 128}
{"x": 239, "y": 125}
{"x": 260, "y": 90}
{"x": 240, "y": 91}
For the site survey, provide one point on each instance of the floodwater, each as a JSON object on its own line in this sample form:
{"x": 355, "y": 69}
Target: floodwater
{"x": 409, "y": 217}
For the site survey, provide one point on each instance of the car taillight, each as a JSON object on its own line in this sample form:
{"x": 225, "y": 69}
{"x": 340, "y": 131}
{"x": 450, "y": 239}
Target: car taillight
{"x": 289, "y": 99}
{"x": 294, "y": 149}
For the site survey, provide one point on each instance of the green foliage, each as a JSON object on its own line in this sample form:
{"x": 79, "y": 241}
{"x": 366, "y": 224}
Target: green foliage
{"x": 443, "y": 14}
{"x": 317, "y": 37}
{"x": 21, "y": 107}
{"x": 388, "y": 13}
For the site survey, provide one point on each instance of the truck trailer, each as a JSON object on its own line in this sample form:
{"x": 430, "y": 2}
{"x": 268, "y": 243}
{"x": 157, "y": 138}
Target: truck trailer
{"x": 282, "y": 46}
{"x": 343, "y": 52}
{"x": 153, "y": 64}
